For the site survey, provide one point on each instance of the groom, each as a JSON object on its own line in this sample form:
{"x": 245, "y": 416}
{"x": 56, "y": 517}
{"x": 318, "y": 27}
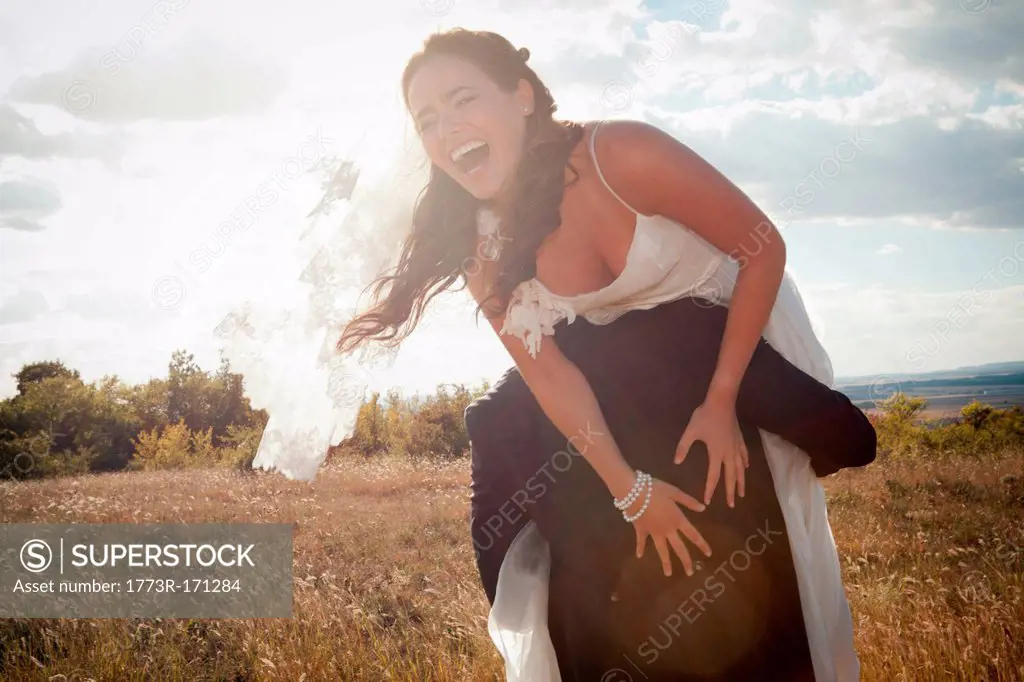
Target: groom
{"x": 607, "y": 609}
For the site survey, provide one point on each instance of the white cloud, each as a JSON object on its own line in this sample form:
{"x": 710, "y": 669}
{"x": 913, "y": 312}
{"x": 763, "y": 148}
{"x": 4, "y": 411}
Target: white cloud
{"x": 811, "y": 168}
{"x": 888, "y": 250}
{"x": 24, "y": 306}
{"x": 22, "y": 137}
{"x": 871, "y": 330}
{"x": 193, "y": 115}
{"x": 194, "y": 80}
{"x": 23, "y": 203}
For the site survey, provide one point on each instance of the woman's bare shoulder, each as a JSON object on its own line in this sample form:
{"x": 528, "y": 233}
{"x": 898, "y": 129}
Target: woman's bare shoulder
{"x": 625, "y": 142}
{"x": 646, "y": 165}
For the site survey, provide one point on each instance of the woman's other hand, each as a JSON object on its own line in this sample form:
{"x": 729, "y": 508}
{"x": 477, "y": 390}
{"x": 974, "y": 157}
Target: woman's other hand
{"x": 715, "y": 424}
{"x": 664, "y": 522}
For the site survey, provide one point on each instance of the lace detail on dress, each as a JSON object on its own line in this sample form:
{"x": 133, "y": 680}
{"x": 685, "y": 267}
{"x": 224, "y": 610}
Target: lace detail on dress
{"x": 488, "y": 226}
{"x": 533, "y": 312}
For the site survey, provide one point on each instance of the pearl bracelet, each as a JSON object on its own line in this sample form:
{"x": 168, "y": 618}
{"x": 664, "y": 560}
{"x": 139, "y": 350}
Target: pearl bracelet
{"x": 629, "y": 499}
{"x": 647, "y": 501}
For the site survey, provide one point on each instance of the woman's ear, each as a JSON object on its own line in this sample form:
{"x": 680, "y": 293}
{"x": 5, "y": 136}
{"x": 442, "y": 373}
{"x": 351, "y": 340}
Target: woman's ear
{"x": 524, "y": 96}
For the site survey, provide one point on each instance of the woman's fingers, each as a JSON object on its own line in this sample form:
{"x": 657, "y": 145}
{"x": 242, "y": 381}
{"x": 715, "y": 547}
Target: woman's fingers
{"x": 685, "y": 443}
{"x": 730, "y": 479}
{"x": 641, "y": 542}
{"x": 666, "y": 560}
{"x": 687, "y": 501}
{"x": 694, "y": 536}
{"x": 714, "y": 473}
{"x": 681, "y": 551}
{"x": 741, "y": 476}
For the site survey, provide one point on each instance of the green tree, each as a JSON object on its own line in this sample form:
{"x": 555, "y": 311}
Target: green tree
{"x": 176, "y": 447}
{"x": 187, "y": 392}
{"x": 370, "y": 436}
{"x": 438, "y": 426}
{"x": 149, "y": 404}
{"x": 976, "y": 414}
{"x": 903, "y": 408}
{"x": 37, "y": 371}
{"x": 228, "y": 403}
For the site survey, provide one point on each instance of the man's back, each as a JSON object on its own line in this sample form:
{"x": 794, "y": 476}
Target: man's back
{"x": 650, "y": 371}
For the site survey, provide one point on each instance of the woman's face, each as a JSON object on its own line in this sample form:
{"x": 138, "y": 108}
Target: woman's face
{"x": 469, "y": 127}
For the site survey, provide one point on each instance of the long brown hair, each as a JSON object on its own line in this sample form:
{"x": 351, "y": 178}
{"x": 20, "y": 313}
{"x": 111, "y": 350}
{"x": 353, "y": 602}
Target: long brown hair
{"x": 444, "y": 224}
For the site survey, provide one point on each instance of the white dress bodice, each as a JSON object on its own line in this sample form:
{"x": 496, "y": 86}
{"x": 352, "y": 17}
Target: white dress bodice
{"x": 664, "y": 263}
{"x": 667, "y": 261}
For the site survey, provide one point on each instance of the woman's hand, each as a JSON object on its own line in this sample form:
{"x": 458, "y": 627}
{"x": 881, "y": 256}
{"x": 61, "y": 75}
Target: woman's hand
{"x": 715, "y": 423}
{"x": 663, "y": 521}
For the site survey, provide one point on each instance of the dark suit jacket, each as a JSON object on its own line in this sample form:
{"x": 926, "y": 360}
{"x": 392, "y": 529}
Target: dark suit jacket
{"x": 649, "y": 370}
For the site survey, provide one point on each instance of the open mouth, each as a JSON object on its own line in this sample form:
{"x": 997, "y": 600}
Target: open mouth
{"x": 471, "y": 157}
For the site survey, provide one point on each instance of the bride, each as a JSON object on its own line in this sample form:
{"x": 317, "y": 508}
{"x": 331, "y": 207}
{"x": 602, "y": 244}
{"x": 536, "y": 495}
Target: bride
{"x": 545, "y": 220}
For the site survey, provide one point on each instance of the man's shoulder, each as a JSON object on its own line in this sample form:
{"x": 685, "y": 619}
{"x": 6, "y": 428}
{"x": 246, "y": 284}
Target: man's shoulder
{"x": 501, "y": 402}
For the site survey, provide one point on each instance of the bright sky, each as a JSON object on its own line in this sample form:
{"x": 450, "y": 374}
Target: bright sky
{"x": 885, "y": 139}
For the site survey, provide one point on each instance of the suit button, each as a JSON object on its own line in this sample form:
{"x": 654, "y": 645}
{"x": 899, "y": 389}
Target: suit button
{"x": 614, "y": 596}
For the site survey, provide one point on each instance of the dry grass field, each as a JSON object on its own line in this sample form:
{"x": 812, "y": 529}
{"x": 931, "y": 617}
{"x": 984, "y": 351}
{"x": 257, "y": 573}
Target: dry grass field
{"x": 386, "y": 589}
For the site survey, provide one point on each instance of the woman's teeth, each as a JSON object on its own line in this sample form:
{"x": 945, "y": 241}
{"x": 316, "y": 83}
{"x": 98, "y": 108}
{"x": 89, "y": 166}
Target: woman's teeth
{"x": 471, "y": 157}
{"x": 459, "y": 152}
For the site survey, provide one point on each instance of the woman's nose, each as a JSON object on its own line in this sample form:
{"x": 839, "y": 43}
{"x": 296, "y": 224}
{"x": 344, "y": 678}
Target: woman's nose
{"x": 449, "y": 123}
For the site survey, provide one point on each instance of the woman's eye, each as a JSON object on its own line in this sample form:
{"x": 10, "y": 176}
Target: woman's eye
{"x": 425, "y": 125}
{"x": 466, "y": 100}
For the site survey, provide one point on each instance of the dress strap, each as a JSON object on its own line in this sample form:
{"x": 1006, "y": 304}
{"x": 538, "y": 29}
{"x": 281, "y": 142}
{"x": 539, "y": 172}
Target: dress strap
{"x": 597, "y": 166}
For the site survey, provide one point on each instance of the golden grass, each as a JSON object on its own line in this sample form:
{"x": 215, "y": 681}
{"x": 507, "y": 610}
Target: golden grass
{"x": 386, "y": 588}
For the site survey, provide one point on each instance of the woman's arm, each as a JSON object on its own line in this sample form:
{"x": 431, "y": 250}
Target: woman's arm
{"x": 568, "y": 401}
{"x": 657, "y": 174}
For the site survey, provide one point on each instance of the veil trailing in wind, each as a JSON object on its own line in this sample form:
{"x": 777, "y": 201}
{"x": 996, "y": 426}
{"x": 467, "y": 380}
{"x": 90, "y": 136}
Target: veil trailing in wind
{"x": 286, "y": 349}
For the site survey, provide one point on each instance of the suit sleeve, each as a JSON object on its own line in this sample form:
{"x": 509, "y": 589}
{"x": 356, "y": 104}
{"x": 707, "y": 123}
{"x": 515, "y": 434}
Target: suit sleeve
{"x": 780, "y": 398}
{"x": 496, "y": 429}
{"x": 777, "y": 396}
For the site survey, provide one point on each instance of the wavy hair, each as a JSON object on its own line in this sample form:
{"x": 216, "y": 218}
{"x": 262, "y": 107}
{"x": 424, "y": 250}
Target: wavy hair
{"x": 444, "y": 224}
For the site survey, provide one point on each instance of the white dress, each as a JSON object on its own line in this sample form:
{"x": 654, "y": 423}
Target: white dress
{"x": 667, "y": 261}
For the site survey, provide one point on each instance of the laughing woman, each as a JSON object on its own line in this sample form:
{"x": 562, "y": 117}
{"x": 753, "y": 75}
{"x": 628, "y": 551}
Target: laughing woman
{"x": 545, "y": 220}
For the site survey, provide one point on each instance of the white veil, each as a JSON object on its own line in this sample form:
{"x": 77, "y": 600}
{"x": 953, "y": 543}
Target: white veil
{"x": 286, "y": 350}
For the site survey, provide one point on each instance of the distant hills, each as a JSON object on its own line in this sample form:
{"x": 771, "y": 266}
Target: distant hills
{"x": 988, "y": 369}
{"x": 1000, "y": 384}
